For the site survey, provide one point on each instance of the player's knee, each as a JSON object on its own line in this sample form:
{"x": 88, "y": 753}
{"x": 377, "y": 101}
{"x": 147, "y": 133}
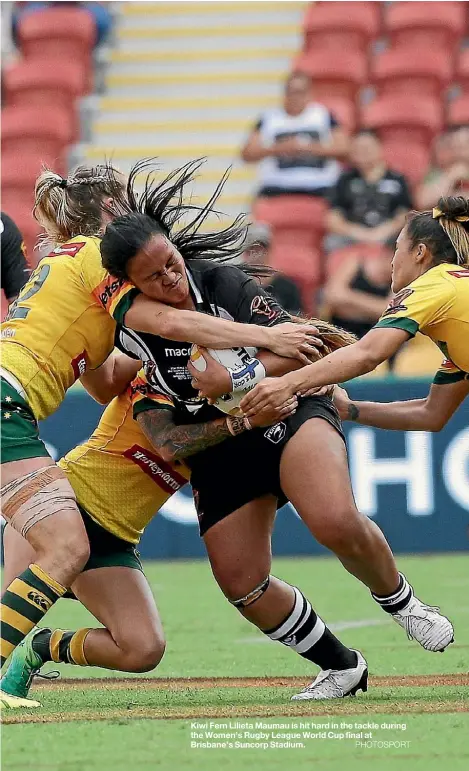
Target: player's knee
{"x": 145, "y": 654}
{"x": 238, "y": 581}
{"x": 70, "y": 553}
{"x": 341, "y": 533}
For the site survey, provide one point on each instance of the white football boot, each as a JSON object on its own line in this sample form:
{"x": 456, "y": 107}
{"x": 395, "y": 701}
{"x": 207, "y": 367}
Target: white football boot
{"x": 337, "y": 683}
{"x": 426, "y": 625}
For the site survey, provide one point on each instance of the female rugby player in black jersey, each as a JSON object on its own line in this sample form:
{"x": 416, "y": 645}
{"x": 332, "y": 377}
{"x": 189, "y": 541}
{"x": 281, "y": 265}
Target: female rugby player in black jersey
{"x": 238, "y": 484}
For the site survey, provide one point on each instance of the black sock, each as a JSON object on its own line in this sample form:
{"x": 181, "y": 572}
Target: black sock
{"x": 304, "y": 632}
{"x": 392, "y": 603}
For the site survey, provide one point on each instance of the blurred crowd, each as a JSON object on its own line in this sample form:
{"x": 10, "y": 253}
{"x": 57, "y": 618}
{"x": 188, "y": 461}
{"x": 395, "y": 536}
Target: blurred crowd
{"x": 303, "y": 154}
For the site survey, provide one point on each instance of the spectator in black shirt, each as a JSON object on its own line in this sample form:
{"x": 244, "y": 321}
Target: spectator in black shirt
{"x": 369, "y": 201}
{"x": 358, "y": 291}
{"x": 15, "y": 269}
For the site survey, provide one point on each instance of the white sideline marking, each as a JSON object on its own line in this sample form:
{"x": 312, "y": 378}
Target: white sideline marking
{"x": 338, "y": 626}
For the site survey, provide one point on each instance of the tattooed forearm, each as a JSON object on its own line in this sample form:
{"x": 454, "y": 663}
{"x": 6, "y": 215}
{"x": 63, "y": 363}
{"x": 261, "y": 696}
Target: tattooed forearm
{"x": 176, "y": 442}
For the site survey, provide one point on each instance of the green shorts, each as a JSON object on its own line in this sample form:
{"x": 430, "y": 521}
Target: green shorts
{"x": 20, "y": 435}
{"x": 107, "y": 550}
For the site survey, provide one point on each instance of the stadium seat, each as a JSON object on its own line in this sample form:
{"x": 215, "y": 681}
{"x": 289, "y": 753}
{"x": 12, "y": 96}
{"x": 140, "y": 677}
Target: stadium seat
{"x": 344, "y": 110}
{"x": 44, "y": 82}
{"x": 462, "y": 71}
{"x": 357, "y": 251}
{"x": 18, "y": 174}
{"x": 340, "y": 26}
{"x": 409, "y": 158}
{"x": 47, "y": 83}
{"x": 458, "y": 111}
{"x": 292, "y": 212}
{"x": 410, "y": 70}
{"x": 26, "y": 130}
{"x": 333, "y": 75}
{"x": 404, "y": 119}
{"x": 62, "y": 33}
{"x": 300, "y": 261}
{"x": 422, "y": 24}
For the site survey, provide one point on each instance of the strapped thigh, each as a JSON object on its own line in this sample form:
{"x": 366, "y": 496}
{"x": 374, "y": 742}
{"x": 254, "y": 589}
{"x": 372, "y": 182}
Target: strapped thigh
{"x": 33, "y": 497}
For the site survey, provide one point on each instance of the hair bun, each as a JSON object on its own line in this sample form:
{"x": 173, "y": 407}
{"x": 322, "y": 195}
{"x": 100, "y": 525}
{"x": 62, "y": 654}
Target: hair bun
{"x": 454, "y": 206}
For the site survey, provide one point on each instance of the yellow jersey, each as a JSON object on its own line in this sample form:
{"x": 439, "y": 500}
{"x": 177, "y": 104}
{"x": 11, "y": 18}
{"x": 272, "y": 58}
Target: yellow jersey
{"x": 437, "y": 305}
{"x": 117, "y": 475}
{"x": 61, "y": 323}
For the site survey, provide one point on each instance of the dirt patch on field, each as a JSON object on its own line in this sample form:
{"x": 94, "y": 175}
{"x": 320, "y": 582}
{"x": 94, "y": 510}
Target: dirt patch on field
{"x": 202, "y": 683}
{"x": 308, "y": 709}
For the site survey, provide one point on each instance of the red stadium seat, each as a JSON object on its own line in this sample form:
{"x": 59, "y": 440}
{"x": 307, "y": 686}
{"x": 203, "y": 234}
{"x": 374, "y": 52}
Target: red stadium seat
{"x": 436, "y": 25}
{"x": 338, "y": 257}
{"x": 404, "y": 119}
{"x": 341, "y": 26}
{"x": 409, "y": 158}
{"x": 344, "y": 110}
{"x": 292, "y": 212}
{"x": 62, "y": 33}
{"x": 462, "y": 72}
{"x": 409, "y": 70}
{"x": 46, "y": 83}
{"x": 27, "y": 130}
{"x": 333, "y": 75}
{"x": 19, "y": 173}
{"x": 458, "y": 111}
{"x": 300, "y": 262}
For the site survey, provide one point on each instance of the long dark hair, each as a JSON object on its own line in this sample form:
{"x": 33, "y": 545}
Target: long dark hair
{"x": 163, "y": 208}
{"x": 445, "y": 230}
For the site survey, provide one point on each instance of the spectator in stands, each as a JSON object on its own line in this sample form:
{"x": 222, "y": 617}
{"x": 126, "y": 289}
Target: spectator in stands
{"x": 369, "y": 201}
{"x": 297, "y": 144}
{"x": 15, "y": 269}
{"x": 452, "y": 180}
{"x": 358, "y": 291}
{"x": 283, "y": 288}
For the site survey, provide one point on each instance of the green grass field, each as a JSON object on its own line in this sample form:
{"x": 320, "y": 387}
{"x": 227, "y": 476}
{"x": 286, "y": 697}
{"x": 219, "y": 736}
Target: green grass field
{"x": 416, "y": 711}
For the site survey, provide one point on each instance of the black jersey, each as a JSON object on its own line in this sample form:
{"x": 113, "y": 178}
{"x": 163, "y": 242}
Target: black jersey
{"x": 216, "y": 289}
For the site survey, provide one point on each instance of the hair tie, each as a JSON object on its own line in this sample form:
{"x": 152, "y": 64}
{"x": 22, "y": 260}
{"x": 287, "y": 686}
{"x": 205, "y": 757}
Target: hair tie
{"x": 63, "y": 183}
{"x": 437, "y": 213}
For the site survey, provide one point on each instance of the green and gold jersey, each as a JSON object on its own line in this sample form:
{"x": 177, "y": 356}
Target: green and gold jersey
{"x": 437, "y": 305}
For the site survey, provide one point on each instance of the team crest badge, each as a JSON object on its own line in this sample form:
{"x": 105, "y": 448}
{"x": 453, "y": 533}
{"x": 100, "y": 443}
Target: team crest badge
{"x": 397, "y": 303}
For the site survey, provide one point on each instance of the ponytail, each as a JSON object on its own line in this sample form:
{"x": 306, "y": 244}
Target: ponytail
{"x": 74, "y": 206}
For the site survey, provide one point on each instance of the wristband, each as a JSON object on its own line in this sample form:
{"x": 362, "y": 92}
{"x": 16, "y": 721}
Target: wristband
{"x": 235, "y": 425}
{"x": 247, "y": 375}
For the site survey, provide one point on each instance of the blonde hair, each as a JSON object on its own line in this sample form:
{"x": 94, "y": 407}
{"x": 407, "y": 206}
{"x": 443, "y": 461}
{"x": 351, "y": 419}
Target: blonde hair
{"x": 333, "y": 337}
{"x": 74, "y": 206}
{"x": 445, "y": 230}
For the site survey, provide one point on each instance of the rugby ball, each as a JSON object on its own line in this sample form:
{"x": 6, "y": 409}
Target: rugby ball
{"x": 230, "y": 358}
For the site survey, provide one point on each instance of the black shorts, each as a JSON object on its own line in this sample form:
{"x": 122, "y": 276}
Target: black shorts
{"x": 229, "y": 475}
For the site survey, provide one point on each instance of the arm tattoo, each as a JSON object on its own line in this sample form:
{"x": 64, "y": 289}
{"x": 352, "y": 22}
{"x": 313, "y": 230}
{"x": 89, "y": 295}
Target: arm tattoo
{"x": 353, "y": 412}
{"x": 181, "y": 441}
